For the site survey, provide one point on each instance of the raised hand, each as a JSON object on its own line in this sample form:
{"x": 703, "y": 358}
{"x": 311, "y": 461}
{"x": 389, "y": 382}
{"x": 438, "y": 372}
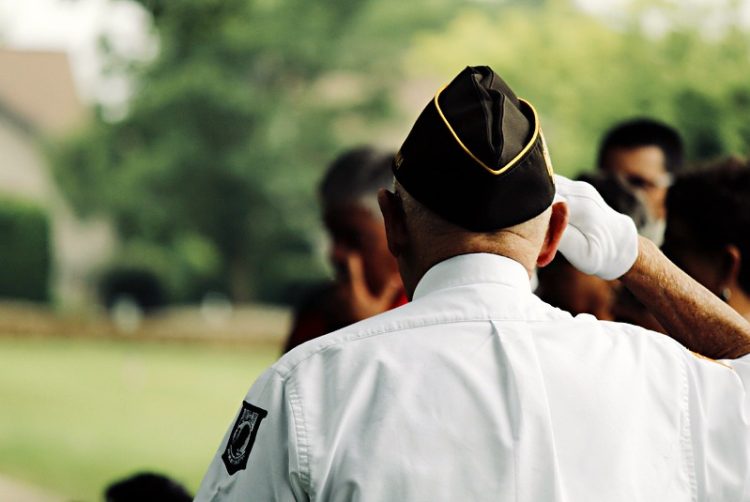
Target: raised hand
{"x": 598, "y": 240}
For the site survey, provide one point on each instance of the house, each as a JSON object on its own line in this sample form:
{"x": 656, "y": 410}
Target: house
{"x": 39, "y": 103}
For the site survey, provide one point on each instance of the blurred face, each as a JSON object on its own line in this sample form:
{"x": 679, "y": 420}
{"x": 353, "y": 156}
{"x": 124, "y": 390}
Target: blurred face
{"x": 643, "y": 169}
{"x": 354, "y": 229}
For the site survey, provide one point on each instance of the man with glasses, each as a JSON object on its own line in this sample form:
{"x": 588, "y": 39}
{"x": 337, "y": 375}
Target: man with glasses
{"x": 645, "y": 154}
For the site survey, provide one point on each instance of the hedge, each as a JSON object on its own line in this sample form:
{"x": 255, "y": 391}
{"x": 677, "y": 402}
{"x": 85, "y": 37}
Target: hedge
{"x": 25, "y": 258}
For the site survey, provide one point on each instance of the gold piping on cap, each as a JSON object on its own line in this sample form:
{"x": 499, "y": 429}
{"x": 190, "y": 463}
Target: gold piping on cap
{"x": 525, "y": 150}
{"x": 545, "y": 154}
{"x": 398, "y": 159}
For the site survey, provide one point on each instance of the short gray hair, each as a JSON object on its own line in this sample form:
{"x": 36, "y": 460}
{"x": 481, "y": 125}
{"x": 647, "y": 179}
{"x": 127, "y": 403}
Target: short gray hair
{"x": 356, "y": 176}
{"x": 424, "y": 222}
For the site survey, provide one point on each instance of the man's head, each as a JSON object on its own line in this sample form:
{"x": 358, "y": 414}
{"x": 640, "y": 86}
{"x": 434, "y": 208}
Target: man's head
{"x": 708, "y": 227}
{"x": 472, "y": 176}
{"x": 645, "y": 154}
{"x": 348, "y": 194}
{"x": 146, "y": 486}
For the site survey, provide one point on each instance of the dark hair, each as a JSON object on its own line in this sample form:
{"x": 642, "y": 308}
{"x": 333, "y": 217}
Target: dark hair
{"x": 618, "y": 196}
{"x": 644, "y": 132}
{"x": 712, "y": 207}
{"x": 356, "y": 174}
{"x": 146, "y": 486}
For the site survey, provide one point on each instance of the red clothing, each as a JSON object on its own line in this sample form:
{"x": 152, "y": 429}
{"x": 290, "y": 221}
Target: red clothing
{"x": 319, "y": 315}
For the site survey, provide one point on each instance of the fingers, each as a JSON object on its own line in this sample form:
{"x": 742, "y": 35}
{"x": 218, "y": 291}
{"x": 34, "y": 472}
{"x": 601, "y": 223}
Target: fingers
{"x": 361, "y": 290}
{"x": 598, "y": 240}
{"x": 578, "y": 249}
{"x": 579, "y": 192}
{"x": 355, "y": 296}
{"x": 356, "y": 273}
{"x": 390, "y": 290}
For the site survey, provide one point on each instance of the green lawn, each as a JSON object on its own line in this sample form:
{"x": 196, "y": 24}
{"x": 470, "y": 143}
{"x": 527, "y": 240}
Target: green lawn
{"x": 76, "y": 414}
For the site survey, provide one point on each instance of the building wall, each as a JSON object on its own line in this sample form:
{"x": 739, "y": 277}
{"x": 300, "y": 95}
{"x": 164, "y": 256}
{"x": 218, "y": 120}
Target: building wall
{"x": 22, "y": 165}
{"x": 79, "y": 247}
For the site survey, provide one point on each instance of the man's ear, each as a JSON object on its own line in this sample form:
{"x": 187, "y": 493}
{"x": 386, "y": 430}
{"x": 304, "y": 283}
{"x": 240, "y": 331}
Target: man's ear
{"x": 395, "y": 221}
{"x": 730, "y": 263}
{"x": 557, "y": 223}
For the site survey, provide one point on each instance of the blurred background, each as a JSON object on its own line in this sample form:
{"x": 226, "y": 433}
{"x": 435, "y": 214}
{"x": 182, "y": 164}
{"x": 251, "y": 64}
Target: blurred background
{"x": 158, "y": 170}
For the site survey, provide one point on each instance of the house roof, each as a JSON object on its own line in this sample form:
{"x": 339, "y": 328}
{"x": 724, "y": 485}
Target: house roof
{"x": 37, "y": 88}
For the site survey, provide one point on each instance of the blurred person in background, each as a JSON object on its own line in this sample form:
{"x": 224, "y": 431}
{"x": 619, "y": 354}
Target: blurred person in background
{"x": 645, "y": 154}
{"x": 366, "y": 280}
{"x": 708, "y": 229}
{"x": 146, "y": 486}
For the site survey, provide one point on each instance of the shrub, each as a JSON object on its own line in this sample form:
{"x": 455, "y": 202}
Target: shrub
{"x": 154, "y": 275}
{"x": 25, "y": 260}
{"x": 140, "y": 285}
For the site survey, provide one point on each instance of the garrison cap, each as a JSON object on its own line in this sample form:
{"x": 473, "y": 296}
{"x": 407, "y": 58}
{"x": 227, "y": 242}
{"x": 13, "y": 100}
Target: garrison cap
{"x": 476, "y": 155}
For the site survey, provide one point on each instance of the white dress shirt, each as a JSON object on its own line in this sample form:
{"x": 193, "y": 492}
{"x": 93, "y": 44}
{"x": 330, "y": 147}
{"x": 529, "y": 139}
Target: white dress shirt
{"x": 479, "y": 391}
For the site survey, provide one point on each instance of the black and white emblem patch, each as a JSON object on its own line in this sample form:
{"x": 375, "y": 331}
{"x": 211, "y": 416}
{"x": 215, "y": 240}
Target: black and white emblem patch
{"x": 242, "y": 437}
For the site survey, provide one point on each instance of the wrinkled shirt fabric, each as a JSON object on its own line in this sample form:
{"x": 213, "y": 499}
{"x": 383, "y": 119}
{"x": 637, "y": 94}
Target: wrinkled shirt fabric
{"x": 479, "y": 391}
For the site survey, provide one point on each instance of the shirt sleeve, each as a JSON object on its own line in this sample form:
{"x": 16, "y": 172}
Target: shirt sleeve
{"x": 741, "y": 367}
{"x": 258, "y": 457}
{"x": 719, "y": 413}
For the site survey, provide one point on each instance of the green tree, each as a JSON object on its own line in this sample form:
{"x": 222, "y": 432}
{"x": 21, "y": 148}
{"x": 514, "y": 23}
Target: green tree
{"x": 586, "y": 73}
{"x": 24, "y": 251}
{"x": 231, "y": 126}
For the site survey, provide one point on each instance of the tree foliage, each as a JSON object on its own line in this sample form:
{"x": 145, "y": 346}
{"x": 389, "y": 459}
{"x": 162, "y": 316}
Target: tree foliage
{"x": 234, "y": 121}
{"x": 230, "y": 128}
{"x": 585, "y": 73}
{"x": 24, "y": 251}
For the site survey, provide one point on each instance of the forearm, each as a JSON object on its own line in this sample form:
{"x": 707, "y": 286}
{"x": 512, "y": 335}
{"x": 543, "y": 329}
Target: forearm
{"x": 690, "y": 313}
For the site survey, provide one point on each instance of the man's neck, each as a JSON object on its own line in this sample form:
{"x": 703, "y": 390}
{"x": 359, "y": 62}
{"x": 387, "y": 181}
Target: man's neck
{"x": 509, "y": 245}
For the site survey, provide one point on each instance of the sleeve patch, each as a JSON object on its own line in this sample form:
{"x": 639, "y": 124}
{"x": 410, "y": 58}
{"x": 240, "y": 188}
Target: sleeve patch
{"x": 241, "y": 439}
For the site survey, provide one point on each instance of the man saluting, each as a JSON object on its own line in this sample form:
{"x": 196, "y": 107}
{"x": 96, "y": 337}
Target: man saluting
{"x": 476, "y": 389}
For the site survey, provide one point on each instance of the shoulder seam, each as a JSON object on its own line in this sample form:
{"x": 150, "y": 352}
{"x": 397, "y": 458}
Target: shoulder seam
{"x": 301, "y": 435}
{"x": 383, "y": 330}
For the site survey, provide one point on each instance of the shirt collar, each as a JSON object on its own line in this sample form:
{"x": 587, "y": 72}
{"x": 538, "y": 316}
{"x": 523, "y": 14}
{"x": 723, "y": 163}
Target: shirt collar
{"x": 471, "y": 269}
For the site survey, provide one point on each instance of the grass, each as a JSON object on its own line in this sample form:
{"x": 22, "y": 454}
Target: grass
{"x": 76, "y": 414}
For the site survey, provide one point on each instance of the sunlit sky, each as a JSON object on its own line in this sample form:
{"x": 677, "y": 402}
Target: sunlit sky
{"x": 75, "y": 26}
